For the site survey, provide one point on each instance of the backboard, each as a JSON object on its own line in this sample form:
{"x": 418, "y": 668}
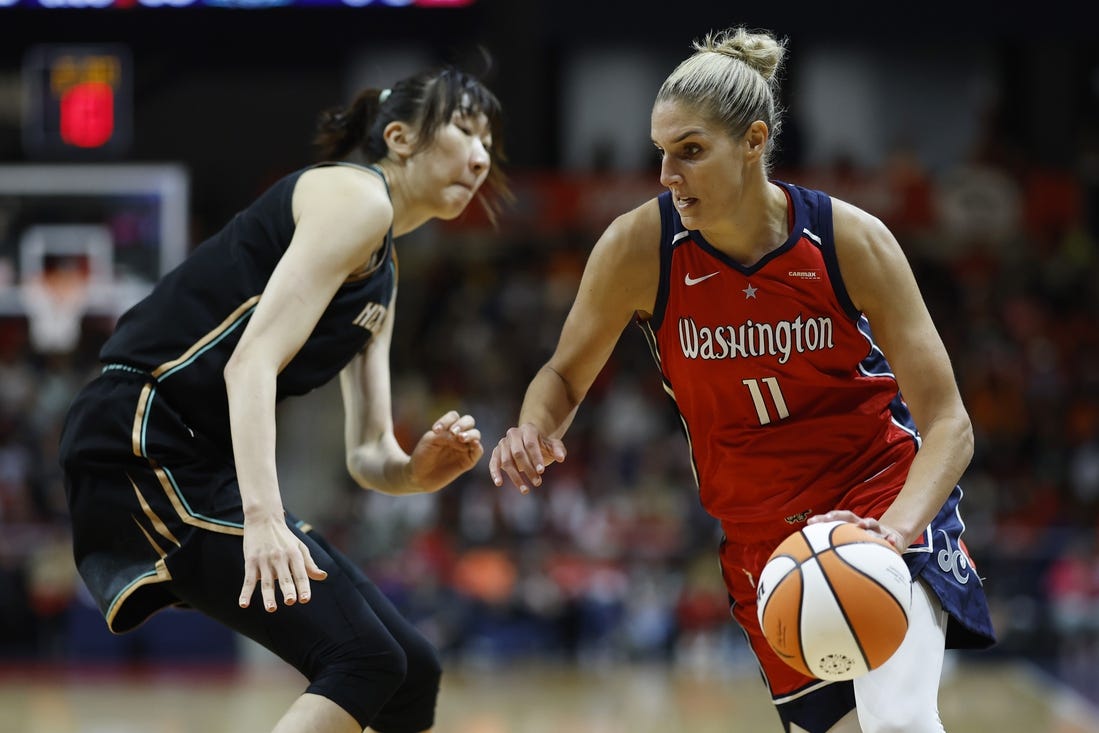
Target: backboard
{"x": 108, "y": 230}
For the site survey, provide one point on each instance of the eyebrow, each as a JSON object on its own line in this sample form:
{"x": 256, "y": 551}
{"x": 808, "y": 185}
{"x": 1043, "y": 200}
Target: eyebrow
{"x": 682, "y": 137}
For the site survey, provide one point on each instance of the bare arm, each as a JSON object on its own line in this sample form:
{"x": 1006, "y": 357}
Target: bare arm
{"x": 881, "y": 284}
{"x": 620, "y": 279}
{"x": 374, "y": 457}
{"x": 341, "y": 219}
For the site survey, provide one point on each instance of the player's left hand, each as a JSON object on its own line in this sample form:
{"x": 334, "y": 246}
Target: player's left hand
{"x": 449, "y": 449}
{"x": 871, "y": 525}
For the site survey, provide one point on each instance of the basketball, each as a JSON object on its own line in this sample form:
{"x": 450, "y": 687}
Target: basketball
{"x": 833, "y": 600}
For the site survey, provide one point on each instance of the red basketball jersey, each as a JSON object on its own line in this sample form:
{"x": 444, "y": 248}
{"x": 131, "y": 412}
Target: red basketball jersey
{"x": 789, "y": 408}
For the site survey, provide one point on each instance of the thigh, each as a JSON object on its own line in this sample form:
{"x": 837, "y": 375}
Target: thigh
{"x": 406, "y": 633}
{"x": 739, "y": 568}
{"x": 208, "y": 574}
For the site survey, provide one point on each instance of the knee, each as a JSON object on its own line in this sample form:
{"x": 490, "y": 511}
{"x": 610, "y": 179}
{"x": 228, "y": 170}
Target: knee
{"x": 366, "y": 664}
{"x": 412, "y": 707}
{"x": 360, "y": 677}
{"x": 423, "y": 669}
{"x": 900, "y": 719}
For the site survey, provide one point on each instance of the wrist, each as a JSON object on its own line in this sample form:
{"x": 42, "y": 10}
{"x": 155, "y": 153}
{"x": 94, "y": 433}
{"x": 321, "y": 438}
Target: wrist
{"x": 405, "y": 481}
{"x": 263, "y": 512}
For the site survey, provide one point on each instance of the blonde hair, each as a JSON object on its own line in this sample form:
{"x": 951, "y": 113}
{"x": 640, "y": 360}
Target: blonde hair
{"x": 732, "y": 77}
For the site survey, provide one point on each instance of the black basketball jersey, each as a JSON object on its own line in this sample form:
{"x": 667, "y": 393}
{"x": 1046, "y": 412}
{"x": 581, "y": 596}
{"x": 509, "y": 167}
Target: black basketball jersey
{"x": 184, "y": 331}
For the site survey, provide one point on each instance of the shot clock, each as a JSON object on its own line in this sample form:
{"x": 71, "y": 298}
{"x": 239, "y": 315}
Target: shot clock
{"x": 79, "y": 101}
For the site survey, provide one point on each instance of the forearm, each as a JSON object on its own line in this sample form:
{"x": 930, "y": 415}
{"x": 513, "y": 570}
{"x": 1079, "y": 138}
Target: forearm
{"x": 944, "y": 454}
{"x": 549, "y": 404}
{"x": 251, "y": 396}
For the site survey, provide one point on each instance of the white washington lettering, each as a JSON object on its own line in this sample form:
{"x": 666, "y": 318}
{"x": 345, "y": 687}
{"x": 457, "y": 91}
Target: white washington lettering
{"x": 751, "y": 339}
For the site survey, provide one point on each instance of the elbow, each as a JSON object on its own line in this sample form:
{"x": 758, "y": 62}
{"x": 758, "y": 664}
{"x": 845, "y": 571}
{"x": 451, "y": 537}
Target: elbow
{"x": 249, "y": 366}
{"x": 354, "y": 469}
{"x": 955, "y": 432}
{"x": 234, "y": 368}
{"x": 230, "y": 370}
{"x": 573, "y": 396}
{"x": 966, "y": 441}
{"x": 368, "y": 470}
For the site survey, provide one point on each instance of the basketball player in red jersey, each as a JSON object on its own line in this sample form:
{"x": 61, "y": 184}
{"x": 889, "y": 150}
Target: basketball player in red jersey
{"x": 785, "y": 325}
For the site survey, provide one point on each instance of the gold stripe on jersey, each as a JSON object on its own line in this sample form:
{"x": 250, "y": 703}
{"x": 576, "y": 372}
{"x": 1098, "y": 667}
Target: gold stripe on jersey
{"x": 139, "y": 419}
{"x": 159, "y": 575}
{"x": 203, "y": 342}
{"x": 376, "y": 261}
{"x": 158, "y": 524}
{"x": 141, "y": 416}
{"x": 184, "y": 514}
{"x": 149, "y": 538}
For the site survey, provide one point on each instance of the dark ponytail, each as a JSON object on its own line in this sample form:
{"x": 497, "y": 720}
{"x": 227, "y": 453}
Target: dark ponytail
{"x": 343, "y": 130}
{"x": 426, "y": 102}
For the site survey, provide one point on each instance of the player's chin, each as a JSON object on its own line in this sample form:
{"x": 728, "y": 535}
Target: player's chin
{"x": 692, "y": 222}
{"x": 456, "y": 202}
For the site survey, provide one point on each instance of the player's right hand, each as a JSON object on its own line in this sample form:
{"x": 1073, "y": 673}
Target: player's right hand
{"x": 274, "y": 555}
{"x": 522, "y": 455}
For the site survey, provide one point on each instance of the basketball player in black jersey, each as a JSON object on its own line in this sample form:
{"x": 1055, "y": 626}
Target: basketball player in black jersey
{"x": 169, "y": 454}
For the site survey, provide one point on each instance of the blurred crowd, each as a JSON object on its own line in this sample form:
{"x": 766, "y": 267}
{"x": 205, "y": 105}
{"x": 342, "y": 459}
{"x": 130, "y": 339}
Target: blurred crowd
{"x": 613, "y": 559}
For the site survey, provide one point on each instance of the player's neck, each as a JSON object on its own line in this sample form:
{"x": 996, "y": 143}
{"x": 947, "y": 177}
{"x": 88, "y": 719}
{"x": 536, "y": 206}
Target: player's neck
{"x": 758, "y": 224}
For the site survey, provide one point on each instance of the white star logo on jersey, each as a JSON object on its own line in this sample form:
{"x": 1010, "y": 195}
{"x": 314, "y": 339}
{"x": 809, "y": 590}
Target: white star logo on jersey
{"x": 749, "y": 292}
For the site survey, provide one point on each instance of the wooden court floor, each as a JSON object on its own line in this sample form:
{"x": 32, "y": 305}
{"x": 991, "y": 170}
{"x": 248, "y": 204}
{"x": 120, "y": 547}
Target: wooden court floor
{"x": 509, "y": 699}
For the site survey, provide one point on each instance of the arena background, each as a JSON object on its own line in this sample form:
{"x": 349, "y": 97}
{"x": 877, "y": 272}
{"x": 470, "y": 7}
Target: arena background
{"x": 971, "y": 129}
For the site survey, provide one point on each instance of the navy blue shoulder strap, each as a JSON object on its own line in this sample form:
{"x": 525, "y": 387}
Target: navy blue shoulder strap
{"x": 671, "y": 233}
{"x": 813, "y": 212}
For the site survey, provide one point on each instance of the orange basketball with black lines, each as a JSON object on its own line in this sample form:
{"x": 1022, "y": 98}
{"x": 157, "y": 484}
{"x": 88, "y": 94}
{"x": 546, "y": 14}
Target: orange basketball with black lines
{"x": 833, "y": 600}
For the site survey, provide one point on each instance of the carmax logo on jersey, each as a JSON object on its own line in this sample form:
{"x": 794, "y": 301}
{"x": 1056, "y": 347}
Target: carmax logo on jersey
{"x": 804, "y": 274}
{"x": 751, "y": 339}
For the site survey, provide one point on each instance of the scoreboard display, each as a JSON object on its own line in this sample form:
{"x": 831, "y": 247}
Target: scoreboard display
{"x": 80, "y": 101}
{"x": 124, "y": 4}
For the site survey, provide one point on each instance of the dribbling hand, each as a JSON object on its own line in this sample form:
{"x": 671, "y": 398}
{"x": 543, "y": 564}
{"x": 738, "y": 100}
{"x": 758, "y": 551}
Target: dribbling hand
{"x": 871, "y": 525}
{"x": 522, "y": 455}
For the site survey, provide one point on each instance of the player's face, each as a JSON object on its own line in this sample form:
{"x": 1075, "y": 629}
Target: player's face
{"x": 459, "y": 161}
{"x": 700, "y": 163}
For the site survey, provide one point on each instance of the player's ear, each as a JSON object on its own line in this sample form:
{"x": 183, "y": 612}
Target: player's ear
{"x": 400, "y": 138}
{"x": 755, "y": 139}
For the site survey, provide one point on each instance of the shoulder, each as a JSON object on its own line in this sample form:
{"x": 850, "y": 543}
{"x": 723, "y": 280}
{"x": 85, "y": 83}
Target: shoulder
{"x": 873, "y": 265}
{"x": 352, "y": 191}
{"x": 631, "y": 243}
{"x": 855, "y": 227}
{"x": 635, "y": 232}
{"x": 628, "y": 255}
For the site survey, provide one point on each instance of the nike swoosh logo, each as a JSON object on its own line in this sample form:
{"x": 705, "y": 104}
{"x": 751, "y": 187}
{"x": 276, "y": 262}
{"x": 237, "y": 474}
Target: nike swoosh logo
{"x": 688, "y": 280}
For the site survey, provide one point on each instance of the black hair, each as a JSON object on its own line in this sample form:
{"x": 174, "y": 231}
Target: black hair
{"x": 426, "y": 101}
